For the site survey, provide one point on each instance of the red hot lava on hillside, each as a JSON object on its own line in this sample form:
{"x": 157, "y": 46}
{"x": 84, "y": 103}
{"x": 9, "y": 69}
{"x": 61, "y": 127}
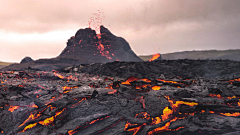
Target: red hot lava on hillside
{"x": 155, "y": 57}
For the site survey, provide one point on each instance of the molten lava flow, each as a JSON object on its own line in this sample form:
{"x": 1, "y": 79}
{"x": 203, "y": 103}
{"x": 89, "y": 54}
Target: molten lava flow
{"x": 166, "y": 113}
{"x": 31, "y": 117}
{"x": 68, "y": 77}
{"x": 236, "y": 114}
{"x": 156, "y": 120}
{"x": 112, "y": 92}
{"x": 71, "y": 132}
{"x": 35, "y": 116}
{"x": 131, "y": 79}
{"x": 156, "y": 87}
{"x": 237, "y": 80}
{"x": 53, "y": 99}
{"x": 78, "y": 102}
{"x": 45, "y": 122}
{"x": 163, "y": 128}
{"x": 12, "y": 108}
{"x": 156, "y": 56}
{"x": 72, "y": 78}
{"x": 146, "y": 80}
{"x": 142, "y": 115}
{"x": 110, "y": 86}
{"x": 102, "y": 49}
{"x": 138, "y": 86}
{"x": 29, "y": 127}
{"x": 176, "y": 105}
{"x": 142, "y": 86}
{"x": 68, "y": 89}
{"x": 173, "y": 82}
{"x": 58, "y": 75}
{"x": 134, "y": 130}
{"x": 220, "y": 97}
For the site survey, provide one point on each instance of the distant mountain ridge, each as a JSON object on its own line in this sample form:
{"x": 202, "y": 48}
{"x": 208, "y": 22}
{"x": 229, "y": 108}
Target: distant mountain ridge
{"x": 194, "y": 55}
{"x": 4, "y": 64}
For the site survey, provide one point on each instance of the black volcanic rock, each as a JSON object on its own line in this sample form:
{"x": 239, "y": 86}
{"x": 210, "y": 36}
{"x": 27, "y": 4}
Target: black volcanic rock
{"x": 98, "y": 48}
{"x": 169, "y": 68}
{"x": 26, "y": 60}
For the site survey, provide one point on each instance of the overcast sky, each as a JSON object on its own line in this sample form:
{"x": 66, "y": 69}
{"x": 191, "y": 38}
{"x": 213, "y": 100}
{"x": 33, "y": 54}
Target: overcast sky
{"x": 41, "y": 28}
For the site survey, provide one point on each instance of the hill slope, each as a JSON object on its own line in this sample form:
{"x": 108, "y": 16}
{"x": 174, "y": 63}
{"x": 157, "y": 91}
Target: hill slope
{"x": 211, "y": 55}
{"x": 4, "y": 64}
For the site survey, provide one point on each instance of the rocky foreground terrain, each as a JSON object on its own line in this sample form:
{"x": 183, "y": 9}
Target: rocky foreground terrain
{"x": 181, "y": 97}
{"x": 189, "y": 69}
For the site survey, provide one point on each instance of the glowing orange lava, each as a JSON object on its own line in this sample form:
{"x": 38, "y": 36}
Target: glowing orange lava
{"x": 46, "y": 122}
{"x": 173, "y": 82}
{"x": 236, "y": 114}
{"x": 12, "y": 108}
{"x": 29, "y": 127}
{"x": 220, "y": 97}
{"x": 78, "y": 103}
{"x": 231, "y": 81}
{"x": 136, "y": 129}
{"x": 166, "y": 113}
{"x": 58, "y": 75}
{"x": 112, "y": 92}
{"x": 102, "y": 49}
{"x": 131, "y": 79}
{"x": 156, "y": 87}
{"x": 156, "y": 56}
{"x": 163, "y": 128}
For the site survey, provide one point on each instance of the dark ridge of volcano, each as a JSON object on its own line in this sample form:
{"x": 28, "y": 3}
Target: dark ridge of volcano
{"x": 26, "y": 60}
{"x": 98, "y": 48}
{"x": 86, "y": 47}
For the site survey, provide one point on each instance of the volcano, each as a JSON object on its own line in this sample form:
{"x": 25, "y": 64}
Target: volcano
{"x": 95, "y": 48}
{"x": 86, "y": 47}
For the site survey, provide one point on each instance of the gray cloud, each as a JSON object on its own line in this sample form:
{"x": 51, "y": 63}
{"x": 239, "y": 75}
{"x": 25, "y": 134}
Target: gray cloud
{"x": 39, "y": 16}
{"x": 149, "y": 26}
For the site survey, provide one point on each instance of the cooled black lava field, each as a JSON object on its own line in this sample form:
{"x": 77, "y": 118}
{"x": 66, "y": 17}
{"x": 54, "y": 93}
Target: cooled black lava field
{"x": 180, "y": 97}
